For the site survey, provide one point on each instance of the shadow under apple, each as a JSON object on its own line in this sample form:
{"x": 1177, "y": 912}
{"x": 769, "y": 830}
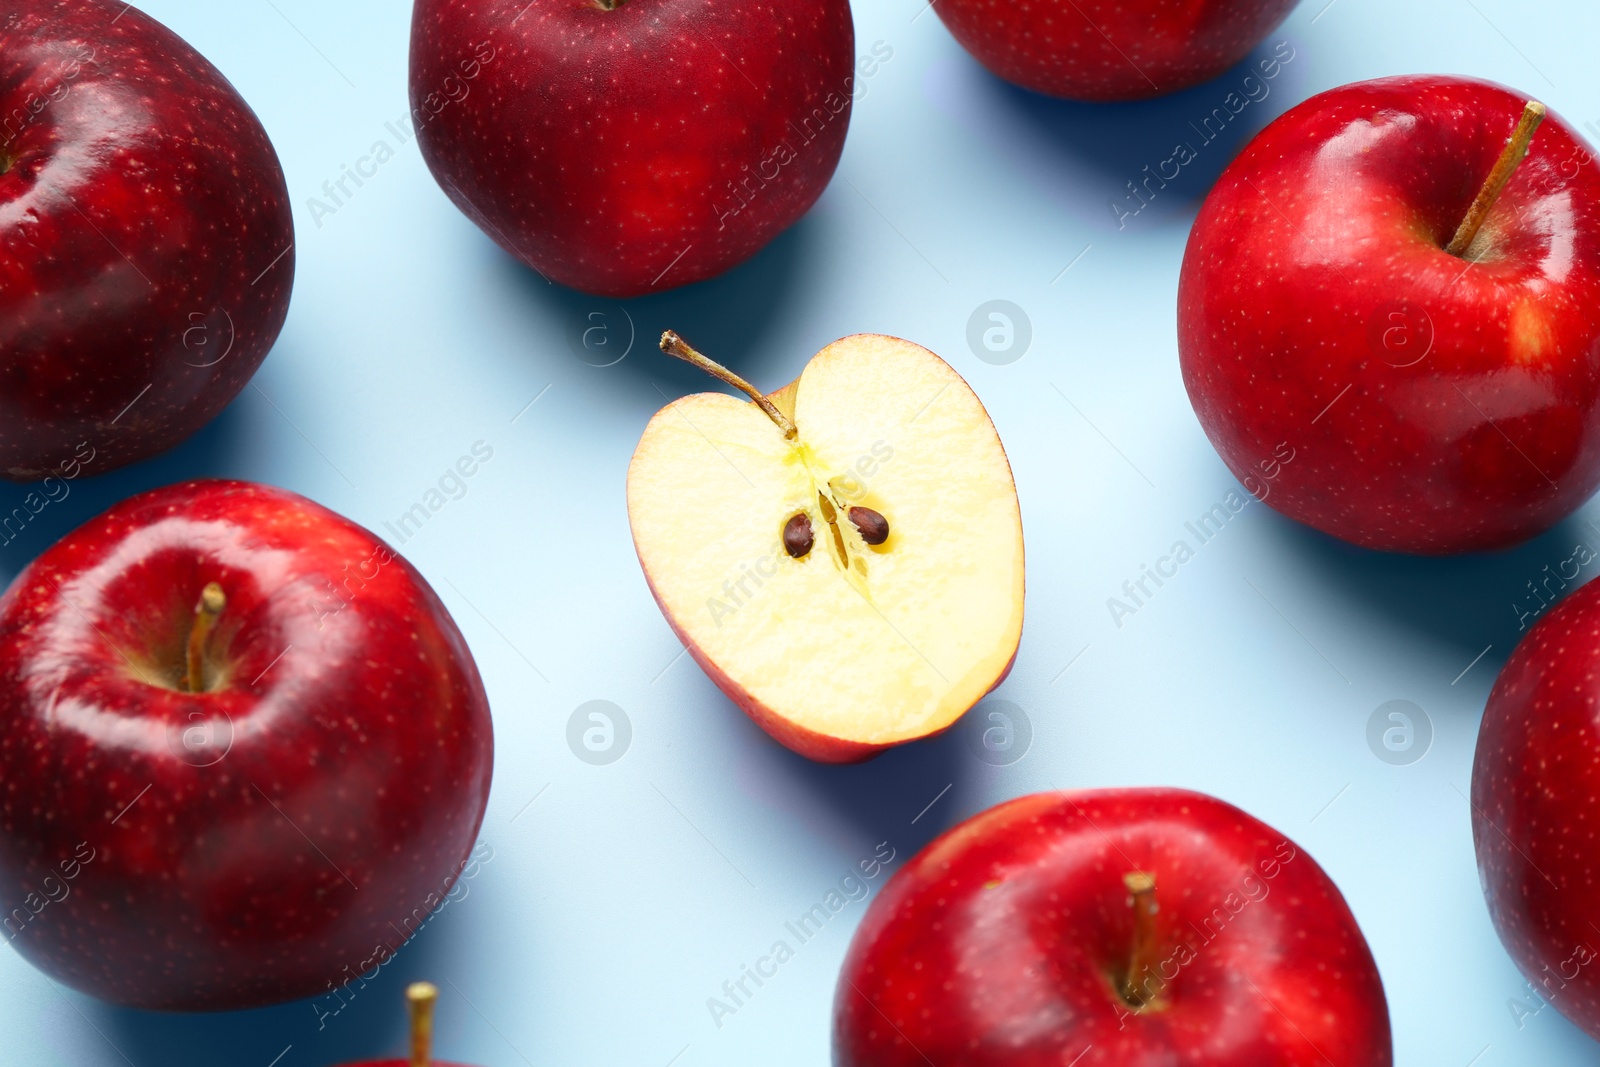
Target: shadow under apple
{"x": 906, "y": 796}
{"x": 1469, "y": 602}
{"x": 1092, "y": 157}
{"x": 730, "y": 318}
{"x": 34, "y": 516}
{"x": 366, "y": 1019}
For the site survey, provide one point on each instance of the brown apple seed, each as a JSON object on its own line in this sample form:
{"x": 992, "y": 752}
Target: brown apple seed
{"x": 797, "y": 536}
{"x": 873, "y": 526}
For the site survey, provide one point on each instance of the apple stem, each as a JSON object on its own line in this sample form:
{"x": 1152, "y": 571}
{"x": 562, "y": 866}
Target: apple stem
{"x": 1142, "y": 885}
{"x": 673, "y": 345}
{"x": 420, "y": 999}
{"x": 212, "y": 601}
{"x": 1515, "y": 152}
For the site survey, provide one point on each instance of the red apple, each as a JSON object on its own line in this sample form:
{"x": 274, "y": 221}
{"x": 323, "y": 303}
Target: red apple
{"x": 420, "y": 999}
{"x": 1437, "y": 395}
{"x": 627, "y": 146}
{"x": 1111, "y": 928}
{"x": 244, "y": 751}
{"x": 846, "y": 596}
{"x": 1110, "y": 49}
{"x": 1534, "y": 781}
{"x": 146, "y": 258}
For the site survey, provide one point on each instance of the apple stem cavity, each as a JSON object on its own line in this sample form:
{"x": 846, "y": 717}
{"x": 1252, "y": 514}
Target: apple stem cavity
{"x": 1515, "y": 152}
{"x": 1146, "y": 947}
{"x": 676, "y": 346}
{"x": 212, "y": 601}
{"x": 420, "y": 999}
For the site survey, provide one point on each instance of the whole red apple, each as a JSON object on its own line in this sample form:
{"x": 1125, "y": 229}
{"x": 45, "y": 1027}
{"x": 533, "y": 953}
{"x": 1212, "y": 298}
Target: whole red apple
{"x": 1111, "y": 928}
{"x": 244, "y": 751}
{"x": 1434, "y": 399}
{"x": 146, "y": 258}
{"x": 1110, "y": 49}
{"x": 627, "y": 146}
{"x": 1534, "y": 781}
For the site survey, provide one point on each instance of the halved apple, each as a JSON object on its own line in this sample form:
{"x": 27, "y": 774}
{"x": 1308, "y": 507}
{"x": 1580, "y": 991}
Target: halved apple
{"x": 843, "y": 558}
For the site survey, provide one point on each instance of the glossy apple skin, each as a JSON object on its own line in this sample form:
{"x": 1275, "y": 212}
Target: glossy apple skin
{"x": 604, "y": 148}
{"x": 253, "y": 841}
{"x": 144, "y": 215}
{"x": 997, "y": 945}
{"x": 1316, "y": 266}
{"x": 1535, "y": 777}
{"x": 1105, "y": 50}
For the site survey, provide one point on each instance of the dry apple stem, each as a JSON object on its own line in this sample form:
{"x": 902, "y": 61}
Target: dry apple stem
{"x": 673, "y": 345}
{"x": 1516, "y": 151}
{"x": 212, "y": 601}
{"x": 420, "y": 998}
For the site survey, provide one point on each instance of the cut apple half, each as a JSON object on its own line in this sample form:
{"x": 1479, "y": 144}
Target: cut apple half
{"x": 843, "y": 557}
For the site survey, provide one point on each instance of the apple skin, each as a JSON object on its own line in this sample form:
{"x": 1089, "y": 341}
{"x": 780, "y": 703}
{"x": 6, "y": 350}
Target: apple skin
{"x": 997, "y": 945}
{"x": 1103, "y": 50}
{"x": 603, "y": 148}
{"x": 230, "y": 829}
{"x": 1317, "y": 265}
{"x": 145, "y": 215}
{"x": 1535, "y": 775}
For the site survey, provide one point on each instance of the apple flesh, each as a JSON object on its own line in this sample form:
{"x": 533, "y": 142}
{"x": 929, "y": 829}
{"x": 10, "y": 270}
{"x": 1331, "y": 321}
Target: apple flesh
{"x": 1111, "y": 928}
{"x": 628, "y": 146}
{"x": 848, "y": 647}
{"x": 1534, "y": 780}
{"x": 146, "y": 259}
{"x": 1110, "y": 49}
{"x": 1432, "y": 402}
{"x": 267, "y": 833}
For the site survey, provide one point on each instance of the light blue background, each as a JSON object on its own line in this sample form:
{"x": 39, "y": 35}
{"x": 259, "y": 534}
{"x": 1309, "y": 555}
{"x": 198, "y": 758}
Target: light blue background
{"x": 624, "y": 895}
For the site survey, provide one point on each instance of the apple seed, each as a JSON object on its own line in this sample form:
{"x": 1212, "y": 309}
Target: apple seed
{"x": 873, "y": 526}
{"x": 797, "y": 536}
